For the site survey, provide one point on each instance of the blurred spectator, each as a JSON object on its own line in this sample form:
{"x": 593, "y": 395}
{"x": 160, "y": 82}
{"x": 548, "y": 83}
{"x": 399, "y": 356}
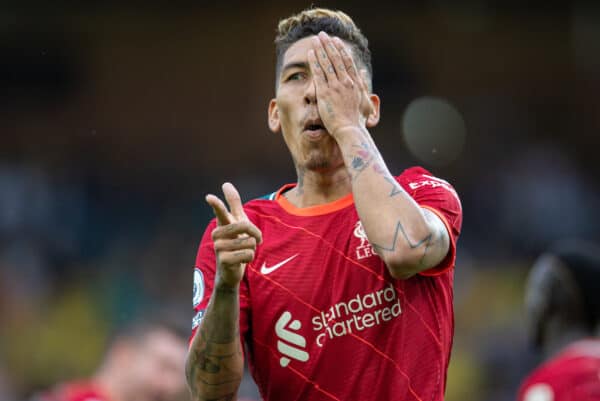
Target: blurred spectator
{"x": 144, "y": 362}
{"x": 563, "y": 308}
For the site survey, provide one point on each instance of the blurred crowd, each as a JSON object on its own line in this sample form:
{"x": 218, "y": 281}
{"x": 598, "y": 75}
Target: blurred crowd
{"x": 103, "y": 175}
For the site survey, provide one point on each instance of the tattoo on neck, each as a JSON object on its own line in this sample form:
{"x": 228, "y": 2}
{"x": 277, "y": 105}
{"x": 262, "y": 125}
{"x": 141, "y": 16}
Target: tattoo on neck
{"x": 300, "y": 186}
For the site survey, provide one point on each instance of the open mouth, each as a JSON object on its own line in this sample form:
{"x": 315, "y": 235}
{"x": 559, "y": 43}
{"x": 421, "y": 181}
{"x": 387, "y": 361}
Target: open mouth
{"x": 314, "y": 128}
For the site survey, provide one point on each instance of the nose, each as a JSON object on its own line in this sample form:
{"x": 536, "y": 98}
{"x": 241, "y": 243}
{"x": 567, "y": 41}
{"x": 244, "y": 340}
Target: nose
{"x": 310, "y": 93}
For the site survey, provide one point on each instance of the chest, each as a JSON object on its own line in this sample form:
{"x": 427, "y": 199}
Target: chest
{"x": 329, "y": 255}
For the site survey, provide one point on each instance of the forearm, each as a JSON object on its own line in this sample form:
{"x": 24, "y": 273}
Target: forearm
{"x": 395, "y": 224}
{"x": 214, "y": 366}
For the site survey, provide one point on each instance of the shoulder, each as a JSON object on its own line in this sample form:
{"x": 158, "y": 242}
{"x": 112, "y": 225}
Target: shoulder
{"x": 570, "y": 371}
{"x": 259, "y": 208}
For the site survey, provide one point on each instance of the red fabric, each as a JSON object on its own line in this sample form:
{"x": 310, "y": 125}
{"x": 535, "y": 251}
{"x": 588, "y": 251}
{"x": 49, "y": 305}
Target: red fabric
{"x": 347, "y": 329}
{"x": 76, "y": 391}
{"x": 572, "y": 375}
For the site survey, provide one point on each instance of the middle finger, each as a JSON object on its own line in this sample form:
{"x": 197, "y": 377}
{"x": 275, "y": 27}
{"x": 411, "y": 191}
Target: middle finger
{"x": 324, "y": 61}
{"x": 335, "y": 58}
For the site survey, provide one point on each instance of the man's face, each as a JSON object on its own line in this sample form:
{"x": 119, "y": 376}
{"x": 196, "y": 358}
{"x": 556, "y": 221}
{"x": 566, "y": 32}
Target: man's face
{"x": 294, "y": 113}
{"x": 159, "y": 369}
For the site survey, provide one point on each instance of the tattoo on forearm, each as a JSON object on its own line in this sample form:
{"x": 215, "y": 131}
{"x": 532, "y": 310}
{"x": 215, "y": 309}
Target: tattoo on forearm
{"x": 215, "y": 361}
{"x": 362, "y": 159}
{"x": 378, "y": 168}
{"x": 212, "y": 362}
{"x": 359, "y": 164}
{"x": 396, "y": 188}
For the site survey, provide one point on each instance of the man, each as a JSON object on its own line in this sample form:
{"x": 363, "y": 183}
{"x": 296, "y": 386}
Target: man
{"x": 145, "y": 361}
{"x": 349, "y": 294}
{"x": 563, "y": 306}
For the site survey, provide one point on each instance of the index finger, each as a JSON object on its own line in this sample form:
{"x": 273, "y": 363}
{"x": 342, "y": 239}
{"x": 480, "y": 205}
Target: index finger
{"x": 234, "y": 201}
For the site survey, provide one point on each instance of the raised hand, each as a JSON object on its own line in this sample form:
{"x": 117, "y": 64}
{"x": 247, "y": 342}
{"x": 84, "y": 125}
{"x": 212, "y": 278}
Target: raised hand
{"x": 342, "y": 92}
{"x": 235, "y": 237}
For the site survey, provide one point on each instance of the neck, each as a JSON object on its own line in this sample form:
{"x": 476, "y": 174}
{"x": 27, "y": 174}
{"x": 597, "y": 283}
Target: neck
{"x": 317, "y": 187}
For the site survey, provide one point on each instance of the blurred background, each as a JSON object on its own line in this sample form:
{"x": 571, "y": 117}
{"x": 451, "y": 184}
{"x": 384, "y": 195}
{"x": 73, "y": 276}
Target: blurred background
{"x": 116, "y": 118}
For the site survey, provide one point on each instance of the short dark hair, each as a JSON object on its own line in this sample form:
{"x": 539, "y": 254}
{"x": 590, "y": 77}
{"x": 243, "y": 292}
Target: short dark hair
{"x": 314, "y": 20}
{"x": 582, "y": 259}
{"x": 137, "y": 329}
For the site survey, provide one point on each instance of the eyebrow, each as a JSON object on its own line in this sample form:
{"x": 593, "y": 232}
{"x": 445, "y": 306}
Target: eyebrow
{"x": 298, "y": 64}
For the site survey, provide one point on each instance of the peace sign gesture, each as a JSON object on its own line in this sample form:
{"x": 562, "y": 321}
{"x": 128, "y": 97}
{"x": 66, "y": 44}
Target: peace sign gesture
{"x": 235, "y": 238}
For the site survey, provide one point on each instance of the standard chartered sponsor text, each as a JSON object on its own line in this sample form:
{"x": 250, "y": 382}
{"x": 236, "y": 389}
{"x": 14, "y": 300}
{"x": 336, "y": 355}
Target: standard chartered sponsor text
{"x": 357, "y": 314}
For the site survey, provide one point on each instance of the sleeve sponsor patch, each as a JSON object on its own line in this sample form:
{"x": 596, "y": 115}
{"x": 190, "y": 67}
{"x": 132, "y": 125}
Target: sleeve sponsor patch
{"x": 198, "y": 287}
{"x": 433, "y": 182}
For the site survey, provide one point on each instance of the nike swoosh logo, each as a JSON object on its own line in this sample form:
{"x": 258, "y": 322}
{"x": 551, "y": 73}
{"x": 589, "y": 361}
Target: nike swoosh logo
{"x": 267, "y": 270}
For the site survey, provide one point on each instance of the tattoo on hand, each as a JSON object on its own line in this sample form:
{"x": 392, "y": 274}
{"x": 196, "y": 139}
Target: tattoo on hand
{"x": 329, "y": 108}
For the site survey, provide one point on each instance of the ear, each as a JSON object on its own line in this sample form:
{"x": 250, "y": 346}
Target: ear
{"x": 273, "y": 115}
{"x": 373, "y": 116}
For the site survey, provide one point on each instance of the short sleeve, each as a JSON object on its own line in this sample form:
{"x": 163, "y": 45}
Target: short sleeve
{"x": 204, "y": 280}
{"x": 440, "y": 197}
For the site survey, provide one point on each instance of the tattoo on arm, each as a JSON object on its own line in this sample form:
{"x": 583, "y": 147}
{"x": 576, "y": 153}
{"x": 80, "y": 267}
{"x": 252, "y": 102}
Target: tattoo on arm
{"x": 437, "y": 236}
{"x": 214, "y": 366}
{"x": 396, "y": 188}
{"x": 362, "y": 159}
{"x": 411, "y": 244}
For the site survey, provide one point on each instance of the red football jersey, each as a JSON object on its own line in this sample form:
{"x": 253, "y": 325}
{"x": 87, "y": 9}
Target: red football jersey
{"x": 572, "y": 375}
{"x": 321, "y": 315}
{"x": 75, "y": 391}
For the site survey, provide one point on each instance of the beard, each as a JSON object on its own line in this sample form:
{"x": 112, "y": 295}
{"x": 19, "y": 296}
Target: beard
{"x": 319, "y": 158}
{"x": 318, "y": 162}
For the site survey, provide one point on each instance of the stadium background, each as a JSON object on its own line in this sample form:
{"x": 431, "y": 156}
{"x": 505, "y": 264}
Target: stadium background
{"x": 116, "y": 118}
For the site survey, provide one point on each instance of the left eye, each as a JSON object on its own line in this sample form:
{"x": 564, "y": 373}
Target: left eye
{"x": 295, "y": 76}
